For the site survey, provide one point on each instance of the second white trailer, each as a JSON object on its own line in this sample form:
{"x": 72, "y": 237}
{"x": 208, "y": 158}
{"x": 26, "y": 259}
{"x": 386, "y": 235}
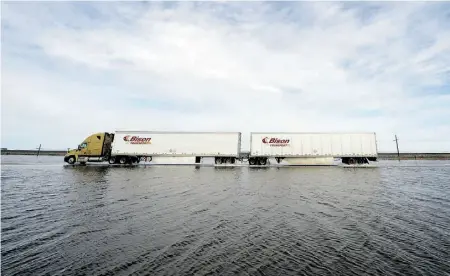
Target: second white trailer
{"x": 312, "y": 148}
{"x": 177, "y": 147}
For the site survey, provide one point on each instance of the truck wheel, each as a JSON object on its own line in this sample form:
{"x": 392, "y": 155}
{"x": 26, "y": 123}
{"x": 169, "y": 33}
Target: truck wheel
{"x": 71, "y": 160}
{"x": 262, "y": 161}
{"x": 252, "y": 161}
{"x": 218, "y": 160}
{"x": 112, "y": 160}
{"x": 123, "y": 160}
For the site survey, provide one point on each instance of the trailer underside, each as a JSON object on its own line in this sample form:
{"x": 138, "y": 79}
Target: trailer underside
{"x": 232, "y": 160}
{"x": 263, "y": 160}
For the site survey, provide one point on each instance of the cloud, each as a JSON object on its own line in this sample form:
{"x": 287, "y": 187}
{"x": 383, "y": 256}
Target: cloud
{"x": 70, "y": 69}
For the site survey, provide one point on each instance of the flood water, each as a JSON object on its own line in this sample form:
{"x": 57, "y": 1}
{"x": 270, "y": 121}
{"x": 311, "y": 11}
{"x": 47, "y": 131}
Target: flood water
{"x": 186, "y": 220}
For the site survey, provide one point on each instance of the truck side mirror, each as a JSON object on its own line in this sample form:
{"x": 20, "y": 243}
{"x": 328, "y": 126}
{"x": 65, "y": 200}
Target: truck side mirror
{"x": 79, "y": 147}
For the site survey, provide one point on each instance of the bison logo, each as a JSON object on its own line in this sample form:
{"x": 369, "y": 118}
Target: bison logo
{"x": 276, "y": 142}
{"x": 137, "y": 140}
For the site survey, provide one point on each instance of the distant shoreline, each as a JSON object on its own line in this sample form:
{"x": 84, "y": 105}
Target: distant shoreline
{"x": 34, "y": 152}
{"x": 381, "y": 156}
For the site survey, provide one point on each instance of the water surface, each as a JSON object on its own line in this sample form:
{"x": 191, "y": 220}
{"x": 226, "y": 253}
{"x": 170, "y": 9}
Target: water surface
{"x": 186, "y": 220}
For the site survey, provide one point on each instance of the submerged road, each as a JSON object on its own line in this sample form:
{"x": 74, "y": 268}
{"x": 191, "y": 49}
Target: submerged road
{"x": 182, "y": 220}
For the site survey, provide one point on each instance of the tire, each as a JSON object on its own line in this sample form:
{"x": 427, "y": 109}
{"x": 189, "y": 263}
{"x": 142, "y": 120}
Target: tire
{"x": 71, "y": 160}
{"x": 351, "y": 161}
{"x": 146, "y": 159}
{"x": 112, "y": 160}
{"x": 219, "y": 160}
{"x": 262, "y": 161}
{"x": 252, "y": 161}
{"x": 362, "y": 161}
{"x": 123, "y": 160}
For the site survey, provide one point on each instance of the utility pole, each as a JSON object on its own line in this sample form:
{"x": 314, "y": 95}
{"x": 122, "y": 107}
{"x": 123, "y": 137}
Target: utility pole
{"x": 39, "y": 150}
{"x": 398, "y": 152}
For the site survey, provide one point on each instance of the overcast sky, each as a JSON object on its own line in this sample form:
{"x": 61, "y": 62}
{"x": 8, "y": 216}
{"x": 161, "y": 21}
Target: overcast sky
{"x": 72, "y": 69}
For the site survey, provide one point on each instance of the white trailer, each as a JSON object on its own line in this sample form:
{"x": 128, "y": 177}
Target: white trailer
{"x": 175, "y": 147}
{"x": 299, "y": 148}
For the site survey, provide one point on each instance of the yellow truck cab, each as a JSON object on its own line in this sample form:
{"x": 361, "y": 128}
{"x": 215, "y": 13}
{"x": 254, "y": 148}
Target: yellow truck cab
{"x": 95, "y": 148}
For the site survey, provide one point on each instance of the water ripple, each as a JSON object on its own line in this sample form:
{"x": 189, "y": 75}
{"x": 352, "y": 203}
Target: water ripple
{"x": 391, "y": 220}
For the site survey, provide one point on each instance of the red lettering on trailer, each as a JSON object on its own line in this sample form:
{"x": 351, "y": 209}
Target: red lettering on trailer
{"x": 137, "y": 140}
{"x": 276, "y": 142}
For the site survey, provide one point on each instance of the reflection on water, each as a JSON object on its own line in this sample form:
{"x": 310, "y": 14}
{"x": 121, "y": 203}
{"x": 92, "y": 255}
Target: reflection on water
{"x": 188, "y": 220}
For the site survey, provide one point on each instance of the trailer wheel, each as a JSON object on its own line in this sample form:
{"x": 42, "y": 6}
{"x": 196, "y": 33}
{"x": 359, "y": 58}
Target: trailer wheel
{"x": 218, "y": 160}
{"x": 146, "y": 159}
{"x": 262, "y": 161}
{"x": 362, "y": 160}
{"x": 71, "y": 160}
{"x": 112, "y": 160}
{"x": 351, "y": 161}
{"x": 252, "y": 161}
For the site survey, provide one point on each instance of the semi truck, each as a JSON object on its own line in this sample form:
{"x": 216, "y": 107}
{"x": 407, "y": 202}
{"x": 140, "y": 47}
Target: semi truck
{"x": 285, "y": 148}
{"x": 300, "y": 148}
{"x": 132, "y": 147}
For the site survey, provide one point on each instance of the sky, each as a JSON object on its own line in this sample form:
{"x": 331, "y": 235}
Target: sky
{"x": 70, "y": 69}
